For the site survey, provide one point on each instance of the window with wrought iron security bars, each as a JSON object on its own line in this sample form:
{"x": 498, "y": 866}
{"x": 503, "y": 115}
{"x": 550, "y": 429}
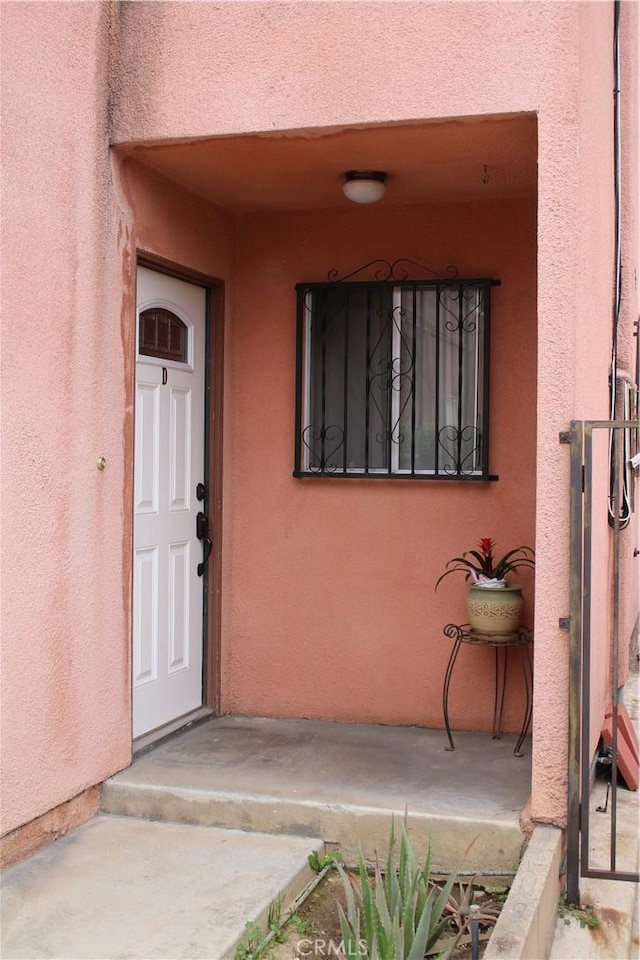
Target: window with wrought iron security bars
{"x": 393, "y": 377}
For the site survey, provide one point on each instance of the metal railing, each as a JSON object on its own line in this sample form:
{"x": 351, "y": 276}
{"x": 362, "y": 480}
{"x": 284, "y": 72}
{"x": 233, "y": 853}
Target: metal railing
{"x": 623, "y": 436}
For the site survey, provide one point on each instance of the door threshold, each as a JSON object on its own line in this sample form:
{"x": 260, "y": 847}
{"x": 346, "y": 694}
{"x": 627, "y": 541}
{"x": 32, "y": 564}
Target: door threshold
{"x": 155, "y": 737}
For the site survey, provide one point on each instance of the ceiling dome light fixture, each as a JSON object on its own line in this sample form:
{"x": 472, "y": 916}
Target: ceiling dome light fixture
{"x": 364, "y": 186}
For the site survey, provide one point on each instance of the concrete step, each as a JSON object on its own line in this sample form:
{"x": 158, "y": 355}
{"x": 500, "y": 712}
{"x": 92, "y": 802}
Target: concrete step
{"x": 339, "y": 782}
{"x": 122, "y": 888}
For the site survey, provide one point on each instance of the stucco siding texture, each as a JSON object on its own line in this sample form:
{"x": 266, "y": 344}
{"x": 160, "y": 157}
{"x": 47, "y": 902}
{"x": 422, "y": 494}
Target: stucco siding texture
{"x": 65, "y": 592}
{"x": 561, "y": 351}
{"x": 297, "y": 72}
{"x": 593, "y": 343}
{"x": 575, "y": 295}
{"x": 264, "y": 67}
{"x": 329, "y": 603}
{"x": 328, "y": 606}
{"x": 630, "y": 304}
{"x": 196, "y": 70}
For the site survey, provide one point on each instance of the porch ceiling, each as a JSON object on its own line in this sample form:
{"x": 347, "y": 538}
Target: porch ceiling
{"x": 425, "y": 162}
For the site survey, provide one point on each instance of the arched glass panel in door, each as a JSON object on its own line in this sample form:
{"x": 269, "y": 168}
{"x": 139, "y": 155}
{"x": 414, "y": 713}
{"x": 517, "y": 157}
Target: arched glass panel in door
{"x": 162, "y": 334}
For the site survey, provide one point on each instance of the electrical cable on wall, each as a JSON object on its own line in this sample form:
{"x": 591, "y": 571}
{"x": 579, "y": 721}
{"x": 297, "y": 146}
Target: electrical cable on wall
{"x": 622, "y": 509}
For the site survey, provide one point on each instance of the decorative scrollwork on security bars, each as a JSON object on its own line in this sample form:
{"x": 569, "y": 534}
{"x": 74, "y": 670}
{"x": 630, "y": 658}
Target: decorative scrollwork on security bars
{"x": 388, "y": 374}
{"x": 396, "y": 270}
{"x": 461, "y": 447}
{"x": 461, "y": 307}
{"x": 323, "y": 444}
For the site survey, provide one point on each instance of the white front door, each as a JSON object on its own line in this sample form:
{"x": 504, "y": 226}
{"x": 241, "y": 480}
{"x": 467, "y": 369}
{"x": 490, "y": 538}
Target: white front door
{"x": 169, "y": 464}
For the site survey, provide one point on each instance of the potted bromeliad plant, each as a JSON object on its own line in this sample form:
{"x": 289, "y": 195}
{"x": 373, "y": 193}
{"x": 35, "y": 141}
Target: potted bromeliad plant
{"x": 494, "y": 606}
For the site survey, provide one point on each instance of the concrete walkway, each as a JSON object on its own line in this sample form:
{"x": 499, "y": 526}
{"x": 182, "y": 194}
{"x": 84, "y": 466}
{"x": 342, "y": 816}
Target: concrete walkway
{"x": 127, "y": 887}
{"x": 616, "y": 904}
{"x": 118, "y": 889}
{"x": 338, "y": 781}
{"x": 130, "y": 888}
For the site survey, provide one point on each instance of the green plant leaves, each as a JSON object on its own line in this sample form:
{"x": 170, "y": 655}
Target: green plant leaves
{"x": 319, "y": 863}
{"x": 473, "y": 562}
{"x": 403, "y": 910}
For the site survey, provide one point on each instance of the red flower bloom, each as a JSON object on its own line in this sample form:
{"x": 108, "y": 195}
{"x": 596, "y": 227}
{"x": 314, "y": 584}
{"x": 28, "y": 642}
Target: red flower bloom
{"x": 486, "y": 545}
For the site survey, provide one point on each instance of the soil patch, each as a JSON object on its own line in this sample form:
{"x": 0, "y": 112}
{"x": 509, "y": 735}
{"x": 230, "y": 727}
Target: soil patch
{"x": 314, "y": 932}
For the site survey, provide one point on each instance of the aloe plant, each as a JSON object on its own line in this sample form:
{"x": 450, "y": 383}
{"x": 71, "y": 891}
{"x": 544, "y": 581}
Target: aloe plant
{"x": 399, "y": 913}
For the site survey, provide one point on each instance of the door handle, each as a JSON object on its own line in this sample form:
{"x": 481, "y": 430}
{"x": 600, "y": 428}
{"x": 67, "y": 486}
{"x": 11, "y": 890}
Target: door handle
{"x": 202, "y": 525}
{"x": 202, "y": 533}
{"x": 207, "y": 547}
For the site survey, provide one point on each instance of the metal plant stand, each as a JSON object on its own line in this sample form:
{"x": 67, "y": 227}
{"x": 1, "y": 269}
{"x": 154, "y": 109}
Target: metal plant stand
{"x": 519, "y": 640}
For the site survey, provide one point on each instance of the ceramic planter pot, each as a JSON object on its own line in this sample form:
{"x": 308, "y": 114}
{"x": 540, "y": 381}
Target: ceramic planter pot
{"x": 495, "y": 612}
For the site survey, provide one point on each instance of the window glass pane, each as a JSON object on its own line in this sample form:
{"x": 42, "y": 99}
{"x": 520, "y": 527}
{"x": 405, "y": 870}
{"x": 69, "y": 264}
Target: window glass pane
{"x": 349, "y": 380}
{"x": 449, "y": 379}
{"x": 324, "y": 435}
{"x": 440, "y": 405}
{"x": 418, "y": 391}
{"x": 163, "y": 335}
{"x": 472, "y": 376}
{"x": 460, "y": 375}
{"x": 373, "y": 322}
{"x": 394, "y": 378}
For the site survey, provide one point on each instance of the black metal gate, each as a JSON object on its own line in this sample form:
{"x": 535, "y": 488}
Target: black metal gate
{"x": 599, "y": 442}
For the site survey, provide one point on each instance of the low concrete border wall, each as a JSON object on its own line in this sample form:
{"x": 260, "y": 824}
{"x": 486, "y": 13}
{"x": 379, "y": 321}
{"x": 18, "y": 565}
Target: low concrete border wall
{"x": 527, "y": 923}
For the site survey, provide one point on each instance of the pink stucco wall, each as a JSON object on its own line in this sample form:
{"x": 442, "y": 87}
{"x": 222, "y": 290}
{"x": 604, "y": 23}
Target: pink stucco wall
{"x": 574, "y": 344}
{"x": 629, "y": 344}
{"x": 593, "y": 329}
{"x": 553, "y": 58}
{"x": 174, "y": 224}
{"x": 78, "y": 76}
{"x": 181, "y": 72}
{"x": 65, "y": 581}
{"x": 329, "y": 601}
{"x": 295, "y": 596}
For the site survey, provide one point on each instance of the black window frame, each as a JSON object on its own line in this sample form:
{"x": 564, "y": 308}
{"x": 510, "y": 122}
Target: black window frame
{"x": 381, "y": 289}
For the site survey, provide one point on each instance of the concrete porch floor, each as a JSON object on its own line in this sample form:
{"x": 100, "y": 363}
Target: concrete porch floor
{"x": 339, "y": 782}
